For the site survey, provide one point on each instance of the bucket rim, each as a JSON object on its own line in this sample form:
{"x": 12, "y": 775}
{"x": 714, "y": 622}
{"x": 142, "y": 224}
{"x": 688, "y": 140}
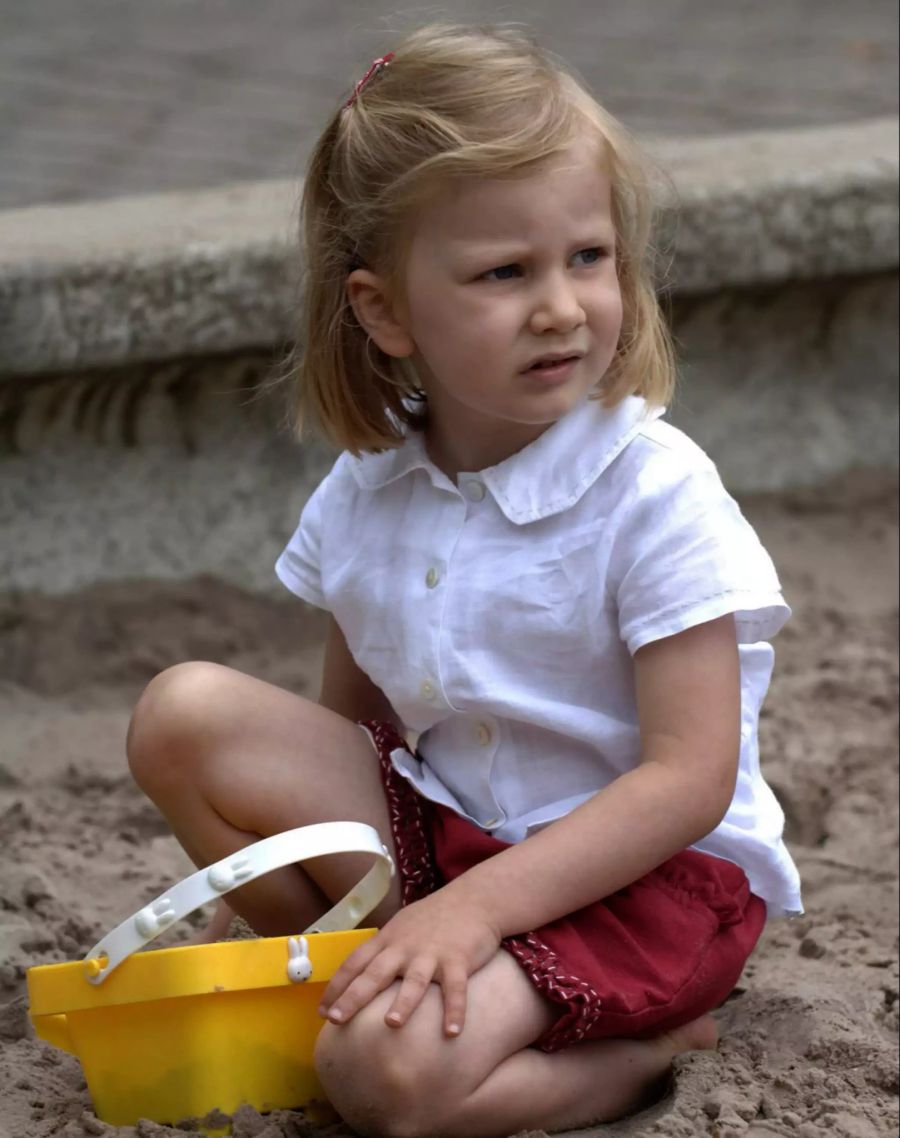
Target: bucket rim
{"x": 188, "y": 970}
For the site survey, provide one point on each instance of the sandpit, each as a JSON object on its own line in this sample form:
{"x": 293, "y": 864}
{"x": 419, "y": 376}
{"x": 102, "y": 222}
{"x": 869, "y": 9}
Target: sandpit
{"x": 809, "y": 1038}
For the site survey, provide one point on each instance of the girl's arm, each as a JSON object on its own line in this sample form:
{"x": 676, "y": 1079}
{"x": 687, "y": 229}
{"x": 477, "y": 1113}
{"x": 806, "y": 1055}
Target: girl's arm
{"x": 689, "y": 710}
{"x": 346, "y": 688}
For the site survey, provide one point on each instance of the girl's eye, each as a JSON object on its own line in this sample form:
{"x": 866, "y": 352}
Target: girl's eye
{"x": 502, "y": 273}
{"x": 594, "y": 254}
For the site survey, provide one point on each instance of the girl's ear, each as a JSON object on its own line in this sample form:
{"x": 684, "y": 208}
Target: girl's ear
{"x": 378, "y": 314}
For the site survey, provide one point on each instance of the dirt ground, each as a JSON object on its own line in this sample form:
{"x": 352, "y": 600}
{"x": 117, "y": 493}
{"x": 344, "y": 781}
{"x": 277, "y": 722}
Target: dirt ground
{"x": 809, "y": 1038}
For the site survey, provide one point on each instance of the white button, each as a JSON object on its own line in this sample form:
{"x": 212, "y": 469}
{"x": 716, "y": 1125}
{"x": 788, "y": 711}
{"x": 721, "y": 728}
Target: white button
{"x": 427, "y": 689}
{"x": 474, "y": 491}
{"x": 483, "y": 734}
{"x": 489, "y": 823}
{"x": 432, "y": 577}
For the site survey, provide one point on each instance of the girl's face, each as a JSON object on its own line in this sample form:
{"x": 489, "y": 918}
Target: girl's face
{"x": 501, "y": 274}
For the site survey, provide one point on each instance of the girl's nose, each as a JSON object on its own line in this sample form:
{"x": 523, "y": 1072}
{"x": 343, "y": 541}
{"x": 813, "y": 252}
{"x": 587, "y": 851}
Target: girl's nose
{"x": 557, "y": 308}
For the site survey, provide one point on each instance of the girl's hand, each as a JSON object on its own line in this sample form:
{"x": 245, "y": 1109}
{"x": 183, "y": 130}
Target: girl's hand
{"x": 441, "y": 939}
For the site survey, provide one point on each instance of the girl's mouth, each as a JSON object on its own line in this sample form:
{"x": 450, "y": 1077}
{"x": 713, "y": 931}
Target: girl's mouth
{"x": 552, "y": 368}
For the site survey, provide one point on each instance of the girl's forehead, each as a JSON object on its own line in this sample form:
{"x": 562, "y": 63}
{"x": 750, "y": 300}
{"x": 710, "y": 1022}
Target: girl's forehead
{"x": 575, "y": 187}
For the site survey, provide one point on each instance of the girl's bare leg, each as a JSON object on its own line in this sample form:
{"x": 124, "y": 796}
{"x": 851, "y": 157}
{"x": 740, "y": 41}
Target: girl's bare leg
{"x": 590, "y": 1083}
{"x": 229, "y": 759}
{"x": 414, "y": 1082}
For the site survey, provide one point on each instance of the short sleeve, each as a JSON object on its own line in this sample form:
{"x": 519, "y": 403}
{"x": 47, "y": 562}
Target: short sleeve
{"x": 685, "y": 555}
{"x": 299, "y": 568}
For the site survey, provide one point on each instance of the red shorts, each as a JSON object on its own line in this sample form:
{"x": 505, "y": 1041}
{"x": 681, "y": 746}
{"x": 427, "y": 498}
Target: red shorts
{"x": 651, "y": 957}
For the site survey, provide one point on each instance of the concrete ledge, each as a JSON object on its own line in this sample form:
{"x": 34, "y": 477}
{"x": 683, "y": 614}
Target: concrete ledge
{"x": 181, "y": 275}
{"x": 145, "y": 278}
{"x": 771, "y": 207}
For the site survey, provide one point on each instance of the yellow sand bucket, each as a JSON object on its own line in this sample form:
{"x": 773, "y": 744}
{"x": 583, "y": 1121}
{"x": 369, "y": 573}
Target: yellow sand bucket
{"x": 178, "y": 1032}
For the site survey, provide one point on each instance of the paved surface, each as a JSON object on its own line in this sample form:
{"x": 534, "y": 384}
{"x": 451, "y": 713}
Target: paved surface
{"x": 106, "y": 97}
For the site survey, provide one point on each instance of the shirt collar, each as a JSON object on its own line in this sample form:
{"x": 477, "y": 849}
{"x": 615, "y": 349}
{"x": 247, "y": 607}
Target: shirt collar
{"x": 544, "y": 478}
{"x": 372, "y": 471}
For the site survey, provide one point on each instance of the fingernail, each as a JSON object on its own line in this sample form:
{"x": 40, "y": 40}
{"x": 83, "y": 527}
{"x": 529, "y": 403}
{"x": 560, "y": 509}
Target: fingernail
{"x": 335, "y": 1015}
{"x": 454, "y": 1029}
{"x": 394, "y": 1017}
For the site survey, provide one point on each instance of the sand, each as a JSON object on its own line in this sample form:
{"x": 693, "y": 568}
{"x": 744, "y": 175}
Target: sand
{"x": 809, "y": 1038}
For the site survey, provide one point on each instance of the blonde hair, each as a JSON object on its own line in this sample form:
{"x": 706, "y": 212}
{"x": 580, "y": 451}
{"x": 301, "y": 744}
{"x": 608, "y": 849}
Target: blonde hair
{"x": 453, "y": 102}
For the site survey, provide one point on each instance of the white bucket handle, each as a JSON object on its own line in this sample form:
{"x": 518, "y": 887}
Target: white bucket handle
{"x": 240, "y": 869}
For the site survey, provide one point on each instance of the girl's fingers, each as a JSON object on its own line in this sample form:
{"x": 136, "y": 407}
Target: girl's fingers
{"x": 355, "y": 963}
{"x": 416, "y": 980}
{"x": 455, "y": 986}
{"x": 380, "y": 974}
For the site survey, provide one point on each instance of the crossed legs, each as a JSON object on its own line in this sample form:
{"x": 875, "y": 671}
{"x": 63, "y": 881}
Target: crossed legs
{"x": 229, "y": 759}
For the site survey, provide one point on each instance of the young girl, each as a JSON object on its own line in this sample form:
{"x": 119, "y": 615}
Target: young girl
{"x": 533, "y": 572}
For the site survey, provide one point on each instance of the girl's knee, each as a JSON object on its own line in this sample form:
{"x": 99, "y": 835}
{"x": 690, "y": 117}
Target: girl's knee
{"x": 386, "y": 1082}
{"x": 173, "y": 717}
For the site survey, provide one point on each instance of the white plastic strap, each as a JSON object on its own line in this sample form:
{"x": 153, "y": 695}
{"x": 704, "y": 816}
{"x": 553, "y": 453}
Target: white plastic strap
{"x": 243, "y": 867}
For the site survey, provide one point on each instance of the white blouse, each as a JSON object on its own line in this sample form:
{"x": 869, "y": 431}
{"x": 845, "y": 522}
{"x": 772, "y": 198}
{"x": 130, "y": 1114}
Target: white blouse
{"x": 499, "y": 614}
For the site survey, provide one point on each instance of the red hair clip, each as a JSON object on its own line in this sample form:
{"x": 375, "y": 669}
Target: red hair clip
{"x": 377, "y": 66}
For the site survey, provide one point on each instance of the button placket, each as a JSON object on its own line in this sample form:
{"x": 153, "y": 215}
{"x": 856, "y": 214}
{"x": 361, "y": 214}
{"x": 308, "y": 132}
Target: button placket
{"x": 446, "y": 529}
{"x": 428, "y": 688}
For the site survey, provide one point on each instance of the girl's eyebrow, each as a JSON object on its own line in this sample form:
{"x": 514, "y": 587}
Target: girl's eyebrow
{"x": 590, "y": 231}
{"x": 485, "y": 247}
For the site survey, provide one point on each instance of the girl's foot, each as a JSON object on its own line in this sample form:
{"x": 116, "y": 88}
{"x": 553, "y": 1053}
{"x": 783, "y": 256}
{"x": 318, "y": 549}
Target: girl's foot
{"x": 700, "y": 1035}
